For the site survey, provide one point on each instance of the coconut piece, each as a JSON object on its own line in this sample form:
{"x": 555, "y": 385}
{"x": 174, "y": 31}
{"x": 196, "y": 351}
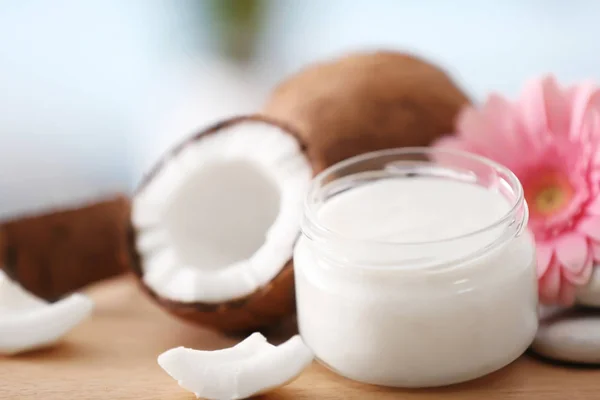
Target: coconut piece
{"x": 250, "y": 368}
{"x": 59, "y": 252}
{"x": 215, "y": 222}
{"x": 28, "y": 322}
{"x": 365, "y": 102}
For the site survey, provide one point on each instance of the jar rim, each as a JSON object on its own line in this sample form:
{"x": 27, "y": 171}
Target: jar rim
{"x": 310, "y": 212}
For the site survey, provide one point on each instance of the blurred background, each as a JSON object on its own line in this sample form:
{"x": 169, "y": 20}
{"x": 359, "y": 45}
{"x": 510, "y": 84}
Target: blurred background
{"x": 91, "y": 92}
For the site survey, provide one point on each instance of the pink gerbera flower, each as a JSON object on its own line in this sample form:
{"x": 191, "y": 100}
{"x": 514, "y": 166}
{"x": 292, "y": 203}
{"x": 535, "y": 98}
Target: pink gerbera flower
{"x": 550, "y": 138}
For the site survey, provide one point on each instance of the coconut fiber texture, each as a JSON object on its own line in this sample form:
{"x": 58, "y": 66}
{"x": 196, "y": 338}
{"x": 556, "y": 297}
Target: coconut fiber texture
{"x": 59, "y": 252}
{"x": 365, "y": 102}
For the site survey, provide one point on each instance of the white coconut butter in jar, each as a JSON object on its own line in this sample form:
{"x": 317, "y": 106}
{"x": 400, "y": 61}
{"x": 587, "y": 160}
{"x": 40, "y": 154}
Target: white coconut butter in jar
{"x": 415, "y": 268}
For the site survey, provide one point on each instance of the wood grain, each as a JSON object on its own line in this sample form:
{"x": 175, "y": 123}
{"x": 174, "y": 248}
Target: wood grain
{"x": 113, "y": 356}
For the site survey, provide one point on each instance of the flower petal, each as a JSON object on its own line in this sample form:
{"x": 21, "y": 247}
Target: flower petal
{"x": 544, "y": 254}
{"x": 472, "y": 127}
{"x": 566, "y": 294}
{"x": 593, "y": 207}
{"x": 542, "y": 110}
{"x": 589, "y": 127}
{"x": 572, "y": 252}
{"x": 584, "y": 96}
{"x": 595, "y": 247}
{"x": 451, "y": 142}
{"x": 578, "y": 198}
{"x": 476, "y": 126}
{"x": 596, "y": 159}
{"x": 502, "y": 120}
{"x": 581, "y": 277}
{"x": 532, "y": 107}
{"x": 556, "y": 107}
{"x": 590, "y": 225}
{"x": 549, "y": 284}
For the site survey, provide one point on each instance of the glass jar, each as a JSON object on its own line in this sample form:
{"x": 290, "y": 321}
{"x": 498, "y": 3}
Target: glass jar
{"x": 434, "y": 311}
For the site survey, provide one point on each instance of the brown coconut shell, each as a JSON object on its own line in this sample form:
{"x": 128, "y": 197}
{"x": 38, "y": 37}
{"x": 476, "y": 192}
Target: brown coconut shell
{"x": 366, "y": 102}
{"x": 59, "y": 252}
{"x": 264, "y": 307}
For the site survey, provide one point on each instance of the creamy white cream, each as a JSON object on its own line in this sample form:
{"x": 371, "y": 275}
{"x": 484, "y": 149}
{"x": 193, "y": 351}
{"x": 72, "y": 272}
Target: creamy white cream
{"x": 402, "y": 292}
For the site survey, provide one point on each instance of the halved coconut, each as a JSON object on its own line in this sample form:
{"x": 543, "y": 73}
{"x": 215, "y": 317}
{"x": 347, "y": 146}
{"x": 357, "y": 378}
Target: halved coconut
{"x": 252, "y": 367}
{"x": 28, "y": 323}
{"x": 215, "y": 222}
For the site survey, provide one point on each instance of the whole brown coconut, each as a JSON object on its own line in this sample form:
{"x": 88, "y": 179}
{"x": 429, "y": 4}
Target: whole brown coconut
{"x": 58, "y": 252}
{"x": 365, "y": 102}
{"x": 215, "y": 221}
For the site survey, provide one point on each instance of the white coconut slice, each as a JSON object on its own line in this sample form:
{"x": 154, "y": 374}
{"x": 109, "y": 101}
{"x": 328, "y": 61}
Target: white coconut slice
{"x": 252, "y": 367}
{"x": 29, "y": 323}
{"x": 217, "y": 219}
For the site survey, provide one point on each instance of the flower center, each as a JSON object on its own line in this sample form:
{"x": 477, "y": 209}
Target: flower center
{"x": 548, "y": 194}
{"x": 550, "y": 199}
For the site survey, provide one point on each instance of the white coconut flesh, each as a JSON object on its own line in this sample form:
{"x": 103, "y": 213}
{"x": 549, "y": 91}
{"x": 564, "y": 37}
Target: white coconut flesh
{"x": 252, "y": 367}
{"x": 29, "y": 323}
{"x": 220, "y": 218}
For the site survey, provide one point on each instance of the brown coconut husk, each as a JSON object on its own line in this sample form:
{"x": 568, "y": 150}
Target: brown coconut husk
{"x": 366, "y": 102}
{"x": 59, "y": 252}
{"x": 336, "y": 110}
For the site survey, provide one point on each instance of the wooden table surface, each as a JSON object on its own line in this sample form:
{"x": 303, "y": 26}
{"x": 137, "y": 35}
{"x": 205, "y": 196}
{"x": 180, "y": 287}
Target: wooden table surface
{"x": 113, "y": 356}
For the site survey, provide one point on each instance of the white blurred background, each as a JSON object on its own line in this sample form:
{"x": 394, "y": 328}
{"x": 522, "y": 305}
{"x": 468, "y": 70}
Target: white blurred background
{"x": 91, "y": 92}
